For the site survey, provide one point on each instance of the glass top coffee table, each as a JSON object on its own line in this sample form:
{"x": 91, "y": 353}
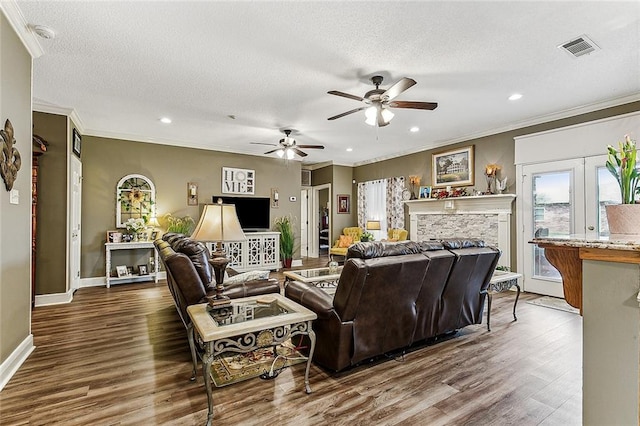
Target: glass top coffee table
{"x": 248, "y": 324}
{"x": 323, "y": 278}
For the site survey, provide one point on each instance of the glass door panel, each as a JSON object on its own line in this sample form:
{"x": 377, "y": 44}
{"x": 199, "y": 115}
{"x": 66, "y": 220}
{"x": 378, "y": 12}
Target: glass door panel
{"x": 553, "y": 200}
{"x": 552, "y": 214}
{"x": 605, "y": 190}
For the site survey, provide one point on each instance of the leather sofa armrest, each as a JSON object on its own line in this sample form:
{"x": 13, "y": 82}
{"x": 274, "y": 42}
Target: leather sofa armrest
{"x": 311, "y": 297}
{"x": 251, "y": 288}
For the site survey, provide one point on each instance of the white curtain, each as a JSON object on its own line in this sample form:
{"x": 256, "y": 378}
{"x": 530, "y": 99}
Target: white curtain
{"x": 374, "y": 200}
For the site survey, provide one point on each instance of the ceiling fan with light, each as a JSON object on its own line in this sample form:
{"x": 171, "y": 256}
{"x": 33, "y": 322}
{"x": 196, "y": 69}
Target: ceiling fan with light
{"x": 379, "y": 101}
{"x": 288, "y": 148}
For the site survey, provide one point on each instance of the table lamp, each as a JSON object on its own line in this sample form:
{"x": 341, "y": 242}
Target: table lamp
{"x": 218, "y": 223}
{"x": 373, "y": 225}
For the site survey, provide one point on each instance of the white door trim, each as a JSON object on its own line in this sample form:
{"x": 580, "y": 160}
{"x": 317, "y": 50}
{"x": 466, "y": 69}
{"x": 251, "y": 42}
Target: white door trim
{"x": 314, "y": 227}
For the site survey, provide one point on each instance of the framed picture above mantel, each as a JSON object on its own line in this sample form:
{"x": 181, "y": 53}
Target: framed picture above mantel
{"x": 454, "y": 167}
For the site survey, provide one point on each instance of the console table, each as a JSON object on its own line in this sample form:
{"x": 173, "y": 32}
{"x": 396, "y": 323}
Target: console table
{"x": 140, "y": 245}
{"x": 261, "y": 250}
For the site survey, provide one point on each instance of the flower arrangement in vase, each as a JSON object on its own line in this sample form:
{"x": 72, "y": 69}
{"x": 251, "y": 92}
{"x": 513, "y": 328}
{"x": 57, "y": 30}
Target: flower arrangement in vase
{"x": 624, "y": 218}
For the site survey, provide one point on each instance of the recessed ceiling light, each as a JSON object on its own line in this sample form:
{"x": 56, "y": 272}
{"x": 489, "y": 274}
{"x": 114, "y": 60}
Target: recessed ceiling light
{"x": 515, "y": 97}
{"x": 165, "y": 120}
{"x": 349, "y": 149}
{"x": 414, "y": 129}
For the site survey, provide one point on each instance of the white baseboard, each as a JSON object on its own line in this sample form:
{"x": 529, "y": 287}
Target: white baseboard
{"x": 9, "y": 367}
{"x": 54, "y": 298}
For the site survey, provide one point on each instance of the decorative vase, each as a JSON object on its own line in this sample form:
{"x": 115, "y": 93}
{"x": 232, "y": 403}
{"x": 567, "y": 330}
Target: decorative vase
{"x": 286, "y": 262}
{"x": 624, "y": 219}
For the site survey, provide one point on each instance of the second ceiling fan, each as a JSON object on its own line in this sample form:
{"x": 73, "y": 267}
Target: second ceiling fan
{"x": 378, "y": 101}
{"x": 288, "y": 148}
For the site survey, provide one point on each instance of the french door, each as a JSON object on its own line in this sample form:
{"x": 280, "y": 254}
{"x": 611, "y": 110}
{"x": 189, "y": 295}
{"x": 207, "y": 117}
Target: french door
{"x": 562, "y": 199}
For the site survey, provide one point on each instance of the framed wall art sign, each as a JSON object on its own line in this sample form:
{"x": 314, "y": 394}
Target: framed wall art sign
{"x": 453, "y": 167}
{"x": 77, "y": 143}
{"x": 344, "y": 203}
{"x": 238, "y": 181}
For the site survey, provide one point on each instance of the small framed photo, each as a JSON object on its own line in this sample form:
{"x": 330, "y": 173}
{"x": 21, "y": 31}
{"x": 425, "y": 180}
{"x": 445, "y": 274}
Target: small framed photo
{"x": 425, "y": 192}
{"x": 344, "y": 203}
{"x": 154, "y": 235}
{"x": 77, "y": 143}
{"x": 122, "y": 271}
{"x": 142, "y": 270}
{"x": 453, "y": 168}
{"x": 114, "y": 236}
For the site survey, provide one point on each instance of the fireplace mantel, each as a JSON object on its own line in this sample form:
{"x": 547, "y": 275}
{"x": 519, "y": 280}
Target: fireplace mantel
{"x": 487, "y": 217}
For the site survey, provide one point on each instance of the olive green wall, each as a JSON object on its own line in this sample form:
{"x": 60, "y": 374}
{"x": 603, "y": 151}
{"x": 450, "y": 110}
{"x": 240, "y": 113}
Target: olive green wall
{"x": 498, "y": 148}
{"x": 51, "y": 231}
{"x": 106, "y": 161}
{"x": 15, "y": 219}
{"x": 340, "y": 178}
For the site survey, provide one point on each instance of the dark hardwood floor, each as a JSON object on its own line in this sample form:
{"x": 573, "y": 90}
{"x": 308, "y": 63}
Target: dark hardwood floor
{"x": 120, "y": 356}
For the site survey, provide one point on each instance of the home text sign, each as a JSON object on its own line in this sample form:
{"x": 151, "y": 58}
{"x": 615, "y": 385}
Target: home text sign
{"x": 238, "y": 181}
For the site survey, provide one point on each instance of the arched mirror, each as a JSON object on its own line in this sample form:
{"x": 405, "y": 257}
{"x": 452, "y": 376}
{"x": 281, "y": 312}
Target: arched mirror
{"x": 135, "y": 198}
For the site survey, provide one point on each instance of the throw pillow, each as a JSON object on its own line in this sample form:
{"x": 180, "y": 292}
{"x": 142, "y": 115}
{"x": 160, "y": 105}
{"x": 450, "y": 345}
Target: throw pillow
{"x": 345, "y": 241}
{"x": 246, "y": 276}
{"x": 395, "y": 234}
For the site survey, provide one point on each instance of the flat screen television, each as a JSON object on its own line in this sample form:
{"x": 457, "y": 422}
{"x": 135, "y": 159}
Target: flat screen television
{"x": 253, "y": 212}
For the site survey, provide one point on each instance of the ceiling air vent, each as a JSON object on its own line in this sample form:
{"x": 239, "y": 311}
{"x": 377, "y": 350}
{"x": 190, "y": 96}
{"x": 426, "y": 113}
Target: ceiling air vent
{"x": 306, "y": 177}
{"x": 579, "y": 46}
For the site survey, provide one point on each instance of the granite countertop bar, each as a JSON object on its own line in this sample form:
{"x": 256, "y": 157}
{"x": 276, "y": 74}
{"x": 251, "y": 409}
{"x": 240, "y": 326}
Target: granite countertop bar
{"x": 613, "y": 242}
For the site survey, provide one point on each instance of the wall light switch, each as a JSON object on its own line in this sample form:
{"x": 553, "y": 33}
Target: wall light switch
{"x": 14, "y": 196}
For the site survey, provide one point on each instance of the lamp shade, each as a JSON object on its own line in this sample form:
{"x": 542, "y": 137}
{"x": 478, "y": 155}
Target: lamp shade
{"x": 153, "y": 222}
{"x": 218, "y": 222}
{"x": 373, "y": 225}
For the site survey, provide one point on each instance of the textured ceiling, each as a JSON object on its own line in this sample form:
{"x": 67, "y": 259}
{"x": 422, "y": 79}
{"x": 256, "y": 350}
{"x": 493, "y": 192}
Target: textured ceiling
{"x": 123, "y": 65}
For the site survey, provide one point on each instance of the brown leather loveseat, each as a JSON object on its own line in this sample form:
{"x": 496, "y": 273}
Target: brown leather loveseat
{"x": 391, "y": 295}
{"x": 189, "y": 276}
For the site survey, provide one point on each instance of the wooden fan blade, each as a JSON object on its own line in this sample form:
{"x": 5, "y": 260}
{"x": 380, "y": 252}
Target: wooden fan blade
{"x": 272, "y": 151}
{"x": 398, "y": 88}
{"x": 347, "y": 113}
{"x": 261, "y": 143}
{"x": 414, "y": 105}
{"x": 345, "y": 95}
{"x": 300, "y": 153}
{"x": 311, "y": 146}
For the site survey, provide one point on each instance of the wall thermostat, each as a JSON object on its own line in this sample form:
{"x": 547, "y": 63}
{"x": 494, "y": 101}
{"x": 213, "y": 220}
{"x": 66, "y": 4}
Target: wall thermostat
{"x": 293, "y": 198}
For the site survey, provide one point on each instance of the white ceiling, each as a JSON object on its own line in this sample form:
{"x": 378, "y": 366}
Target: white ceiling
{"x": 123, "y": 65}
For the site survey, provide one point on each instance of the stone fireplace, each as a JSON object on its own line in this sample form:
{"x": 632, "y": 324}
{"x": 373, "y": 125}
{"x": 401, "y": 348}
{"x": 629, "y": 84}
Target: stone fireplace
{"x": 487, "y": 217}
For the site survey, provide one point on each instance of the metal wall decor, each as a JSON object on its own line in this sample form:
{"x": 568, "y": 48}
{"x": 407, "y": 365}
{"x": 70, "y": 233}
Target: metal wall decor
{"x": 10, "y": 161}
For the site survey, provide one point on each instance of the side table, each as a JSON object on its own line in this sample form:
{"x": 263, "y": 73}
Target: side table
{"x": 251, "y": 323}
{"x": 502, "y": 281}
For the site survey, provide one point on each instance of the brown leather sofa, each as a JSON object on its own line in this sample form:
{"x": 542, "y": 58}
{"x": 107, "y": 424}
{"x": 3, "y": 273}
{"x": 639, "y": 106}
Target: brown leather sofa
{"x": 391, "y": 295}
{"x": 189, "y": 276}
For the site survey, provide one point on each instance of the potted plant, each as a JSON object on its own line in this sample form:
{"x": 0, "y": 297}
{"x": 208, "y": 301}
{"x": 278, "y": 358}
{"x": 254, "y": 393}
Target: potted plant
{"x": 180, "y": 225}
{"x": 284, "y": 225}
{"x": 366, "y": 236}
{"x": 624, "y": 218}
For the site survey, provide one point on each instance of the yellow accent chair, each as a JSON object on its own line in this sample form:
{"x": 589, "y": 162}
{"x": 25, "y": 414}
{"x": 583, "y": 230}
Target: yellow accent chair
{"x": 397, "y": 234}
{"x": 350, "y": 235}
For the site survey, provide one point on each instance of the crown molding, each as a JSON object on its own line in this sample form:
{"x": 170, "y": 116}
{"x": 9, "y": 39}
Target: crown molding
{"x": 567, "y": 113}
{"x": 41, "y": 106}
{"x": 21, "y": 27}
